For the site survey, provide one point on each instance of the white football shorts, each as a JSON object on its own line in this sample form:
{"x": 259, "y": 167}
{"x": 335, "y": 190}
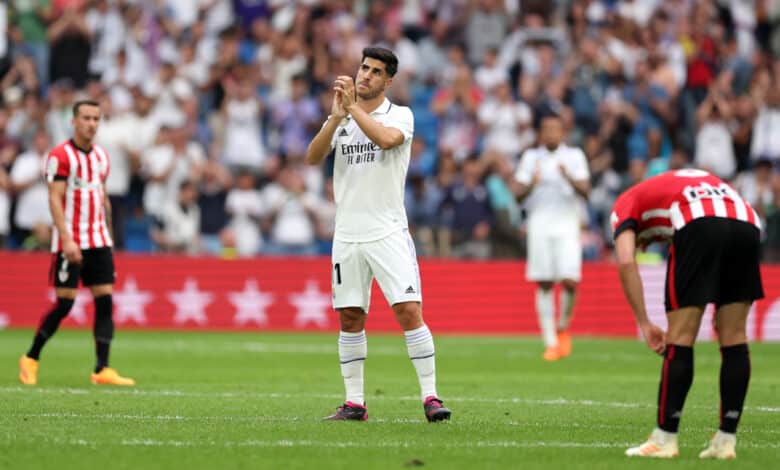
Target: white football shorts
{"x": 391, "y": 260}
{"x": 553, "y": 257}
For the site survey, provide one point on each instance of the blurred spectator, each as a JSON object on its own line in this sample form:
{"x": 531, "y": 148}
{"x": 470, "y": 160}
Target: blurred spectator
{"x": 766, "y": 129}
{"x": 31, "y": 17}
{"x": 58, "y": 119}
{"x": 714, "y": 143}
{"x": 486, "y": 27}
{"x": 174, "y": 160}
{"x": 243, "y": 146}
{"x": 289, "y": 215}
{"x": 490, "y": 73}
{"x": 244, "y": 205}
{"x": 29, "y": 188}
{"x": 457, "y": 106}
{"x": 506, "y": 122}
{"x": 422, "y": 201}
{"x": 326, "y": 219}
{"x": 212, "y": 201}
{"x": 297, "y": 118}
{"x": 179, "y": 224}
{"x": 507, "y": 240}
{"x": 467, "y": 213}
{"x": 70, "y": 45}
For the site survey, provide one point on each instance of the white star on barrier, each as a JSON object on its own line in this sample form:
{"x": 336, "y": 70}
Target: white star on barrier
{"x": 190, "y": 303}
{"x": 312, "y": 304}
{"x": 130, "y": 303}
{"x": 250, "y": 304}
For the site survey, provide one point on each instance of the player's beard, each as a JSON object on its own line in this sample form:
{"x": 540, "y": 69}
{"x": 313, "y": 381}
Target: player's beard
{"x": 371, "y": 93}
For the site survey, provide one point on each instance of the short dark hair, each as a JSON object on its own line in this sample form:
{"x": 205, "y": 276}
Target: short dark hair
{"x": 384, "y": 55}
{"x": 78, "y": 104}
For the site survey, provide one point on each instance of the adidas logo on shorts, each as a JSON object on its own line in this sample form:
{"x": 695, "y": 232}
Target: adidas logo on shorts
{"x": 410, "y": 290}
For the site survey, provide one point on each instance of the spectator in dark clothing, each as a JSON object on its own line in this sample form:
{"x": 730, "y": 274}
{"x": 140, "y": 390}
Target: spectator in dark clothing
{"x": 467, "y": 212}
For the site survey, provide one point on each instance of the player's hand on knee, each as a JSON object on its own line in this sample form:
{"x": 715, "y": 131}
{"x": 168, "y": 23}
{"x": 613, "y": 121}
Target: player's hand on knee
{"x": 654, "y": 336}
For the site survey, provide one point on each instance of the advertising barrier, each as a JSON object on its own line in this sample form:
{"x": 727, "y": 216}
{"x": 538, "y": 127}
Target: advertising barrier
{"x": 293, "y": 294}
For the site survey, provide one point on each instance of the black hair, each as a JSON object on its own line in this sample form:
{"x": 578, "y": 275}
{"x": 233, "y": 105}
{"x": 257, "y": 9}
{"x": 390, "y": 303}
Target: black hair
{"x": 384, "y": 55}
{"x": 78, "y": 104}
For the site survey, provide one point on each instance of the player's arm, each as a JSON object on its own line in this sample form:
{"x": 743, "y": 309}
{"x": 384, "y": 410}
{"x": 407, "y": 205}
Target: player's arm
{"x": 320, "y": 145}
{"x": 581, "y": 187}
{"x": 107, "y": 212}
{"x": 57, "y": 190}
{"x": 384, "y": 137}
{"x": 525, "y": 179}
{"x": 625, "y": 250}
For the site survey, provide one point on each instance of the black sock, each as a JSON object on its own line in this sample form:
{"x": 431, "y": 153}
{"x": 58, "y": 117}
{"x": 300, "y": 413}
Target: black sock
{"x": 103, "y": 330}
{"x": 49, "y": 325}
{"x": 676, "y": 379}
{"x": 734, "y": 378}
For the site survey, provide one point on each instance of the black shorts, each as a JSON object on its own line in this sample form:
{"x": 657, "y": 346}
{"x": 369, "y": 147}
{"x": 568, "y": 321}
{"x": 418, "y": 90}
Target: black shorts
{"x": 714, "y": 260}
{"x": 96, "y": 268}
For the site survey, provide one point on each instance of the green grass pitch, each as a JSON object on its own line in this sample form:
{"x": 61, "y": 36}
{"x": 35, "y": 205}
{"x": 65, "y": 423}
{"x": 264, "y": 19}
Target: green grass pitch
{"x": 243, "y": 400}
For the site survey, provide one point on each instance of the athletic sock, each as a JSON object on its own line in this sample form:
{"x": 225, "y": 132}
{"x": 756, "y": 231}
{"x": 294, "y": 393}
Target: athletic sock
{"x": 103, "y": 330}
{"x": 734, "y": 379}
{"x": 48, "y": 326}
{"x": 567, "y": 307}
{"x": 353, "y": 348}
{"x": 419, "y": 344}
{"x": 676, "y": 379}
{"x": 545, "y": 309}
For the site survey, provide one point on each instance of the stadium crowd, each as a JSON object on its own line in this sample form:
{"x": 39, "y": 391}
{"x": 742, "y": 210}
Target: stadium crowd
{"x": 208, "y": 106}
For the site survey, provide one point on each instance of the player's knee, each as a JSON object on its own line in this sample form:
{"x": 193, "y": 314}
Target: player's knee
{"x": 569, "y": 284}
{"x": 545, "y": 285}
{"x": 352, "y": 320}
{"x": 408, "y": 314}
{"x": 729, "y": 335}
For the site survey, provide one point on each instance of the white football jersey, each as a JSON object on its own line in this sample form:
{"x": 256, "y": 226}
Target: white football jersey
{"x": 368, "y": 182}
{"x": 553, "y": 204}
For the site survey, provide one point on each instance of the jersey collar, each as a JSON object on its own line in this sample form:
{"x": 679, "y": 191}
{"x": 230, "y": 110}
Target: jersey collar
{"x": 86, "y": 151}
{"x": 383, "y": 108}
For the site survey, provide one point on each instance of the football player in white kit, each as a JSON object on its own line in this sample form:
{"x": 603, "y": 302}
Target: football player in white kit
{"x": 372, "y": 139}
{"x": 551, "y": 178}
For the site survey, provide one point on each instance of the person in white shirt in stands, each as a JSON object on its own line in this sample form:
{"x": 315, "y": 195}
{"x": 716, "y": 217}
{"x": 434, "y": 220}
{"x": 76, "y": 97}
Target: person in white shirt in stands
{"x": 179, "y": 224}
{"x": 245, "y": 205}
{"x": 27, "y": 182}
{"x": 243, "y": 146}
{"x": 550, "y": 179}
{"x": 290, "y": 217}
{"x": 372, "y": 139}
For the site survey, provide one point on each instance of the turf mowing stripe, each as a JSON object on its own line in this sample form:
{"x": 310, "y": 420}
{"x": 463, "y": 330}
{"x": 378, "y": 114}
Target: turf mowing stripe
{"x": 519, "y": 401}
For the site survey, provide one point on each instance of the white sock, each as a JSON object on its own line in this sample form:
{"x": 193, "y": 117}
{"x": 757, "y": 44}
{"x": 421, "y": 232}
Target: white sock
{"x": 353, "y": 349}
{"x": 419, "y": 343}
{"x": 567, "y": 307}
{"x": 545, "y": 308}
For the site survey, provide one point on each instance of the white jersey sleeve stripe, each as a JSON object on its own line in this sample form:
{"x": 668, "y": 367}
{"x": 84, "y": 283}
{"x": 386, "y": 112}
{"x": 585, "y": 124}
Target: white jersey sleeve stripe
{"x": 656, "y": 213}
{"x": 676, "y": 216}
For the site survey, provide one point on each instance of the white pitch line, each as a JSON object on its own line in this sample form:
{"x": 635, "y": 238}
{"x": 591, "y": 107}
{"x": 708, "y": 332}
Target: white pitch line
{"x": 251, "y": 419}
{"x": 283, "y": 443}
{"x": 510, "y": 400}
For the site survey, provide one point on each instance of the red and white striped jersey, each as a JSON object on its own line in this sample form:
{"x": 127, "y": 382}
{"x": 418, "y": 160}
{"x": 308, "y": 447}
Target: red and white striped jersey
{"x": 658, "y": 206}
{"x": 84, "y": 173}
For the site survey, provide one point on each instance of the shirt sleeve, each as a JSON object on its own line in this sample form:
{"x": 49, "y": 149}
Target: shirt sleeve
{"x": 57, "y": 167}
{"x": 623, "y": 215}
{"x": 403, "y": 120}
{"x": 524, "y": 172}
